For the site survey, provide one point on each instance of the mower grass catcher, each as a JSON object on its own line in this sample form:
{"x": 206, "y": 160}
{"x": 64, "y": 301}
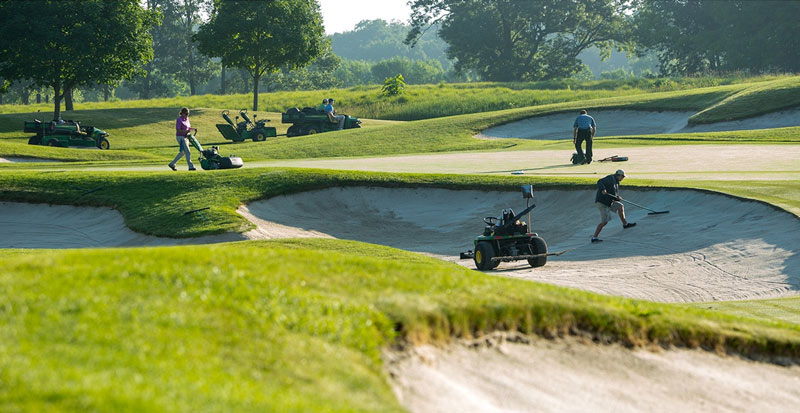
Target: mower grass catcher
{"x": 246, "y": 129}
{"x": 65, "y": 134}
{"x": 211, "y": 159}
{"x": 505, "y": 238}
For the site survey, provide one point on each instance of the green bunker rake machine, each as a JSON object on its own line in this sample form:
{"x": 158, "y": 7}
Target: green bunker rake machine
{"x": 506, "y": 238}
{"x": 258, "y": 131}
{"x": 211, "y": 159}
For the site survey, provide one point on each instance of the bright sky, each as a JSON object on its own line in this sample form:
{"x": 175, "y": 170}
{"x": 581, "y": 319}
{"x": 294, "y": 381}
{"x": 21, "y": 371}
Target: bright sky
{"x": 342, "y": 15}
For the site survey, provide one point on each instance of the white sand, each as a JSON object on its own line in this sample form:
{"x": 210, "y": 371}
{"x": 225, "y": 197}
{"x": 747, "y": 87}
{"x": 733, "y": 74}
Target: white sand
{"x": 708, "y": 248}
{"x": 632, "y": 122}
{"x": 57, "y": 226}
{"x": 573, "y": 376}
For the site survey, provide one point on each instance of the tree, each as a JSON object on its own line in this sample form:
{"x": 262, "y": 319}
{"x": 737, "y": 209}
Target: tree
{"x": 263, "y": 36}
{"x": 510, "y": 40}
{"x": 71, "y": 43}
{"x": 699, "y": 36}
{"x": 376, "y": 40}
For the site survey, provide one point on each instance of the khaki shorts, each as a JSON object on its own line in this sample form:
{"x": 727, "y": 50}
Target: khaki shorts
{"x": 607, "y": 212}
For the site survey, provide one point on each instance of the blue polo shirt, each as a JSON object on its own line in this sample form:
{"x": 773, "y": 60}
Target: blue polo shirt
{"x": 328, "y": 108}
{"x": 584, "y": 121}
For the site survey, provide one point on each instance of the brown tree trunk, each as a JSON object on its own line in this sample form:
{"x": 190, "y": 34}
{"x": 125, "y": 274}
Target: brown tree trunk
{"x": 57, "y": 99}
{"x": 255, "y": 92}
{"x": 68, "y": 98}
{"x": 106, "y": 93}
{"x": 38, "y": 97}
{"x": 222, "y": 81}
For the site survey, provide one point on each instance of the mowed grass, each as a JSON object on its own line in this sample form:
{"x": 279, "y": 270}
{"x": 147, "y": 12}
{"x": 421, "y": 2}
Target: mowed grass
{"x": 148, "y": 131}
{"x": 264, "y": 326}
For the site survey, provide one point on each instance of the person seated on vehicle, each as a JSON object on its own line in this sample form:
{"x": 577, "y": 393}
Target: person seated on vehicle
{"x": 321, "y": 108}
{"x": 332, "y": 114}
{"x": 78, "y": 130}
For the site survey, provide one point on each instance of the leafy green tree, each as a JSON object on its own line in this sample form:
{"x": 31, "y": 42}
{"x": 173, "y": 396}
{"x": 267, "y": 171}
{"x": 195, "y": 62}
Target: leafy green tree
{"x": 263, "y": 36}
{"x": 354, "y": 72}
{"x": 414, "y": 71}
{"x": 70, "y": 43}
{"x": 393, "y": 86}
{"x": 700, "y": 36}
{"x": 511, "y": 40}
{"x": 376, "y": 40}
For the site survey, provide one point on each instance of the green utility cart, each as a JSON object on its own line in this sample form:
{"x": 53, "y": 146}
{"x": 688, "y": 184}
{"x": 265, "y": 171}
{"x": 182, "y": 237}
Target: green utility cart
{"x": 65, "y": 134}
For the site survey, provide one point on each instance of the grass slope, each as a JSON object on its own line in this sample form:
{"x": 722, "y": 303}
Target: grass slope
{"x": 259, "y": 327}
{"x": 149, "y": 129}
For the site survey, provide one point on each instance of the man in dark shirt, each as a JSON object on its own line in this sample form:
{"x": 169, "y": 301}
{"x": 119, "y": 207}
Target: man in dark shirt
{"x": 583, "y": 129}
{"x": 608, "y": 202}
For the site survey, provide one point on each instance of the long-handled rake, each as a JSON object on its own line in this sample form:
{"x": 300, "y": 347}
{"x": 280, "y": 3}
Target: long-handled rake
{"x": 653, "y": 211}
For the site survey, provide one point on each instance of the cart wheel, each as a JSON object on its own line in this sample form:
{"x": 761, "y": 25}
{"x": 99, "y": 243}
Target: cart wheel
{"x": 53, "y": 142}
{"x": 539, "y": 247}
{"x": 483, "y": 256}
{"x": 311, "y": 130}
{"x": 35, "y": 140}
{"x": 103, "y": 143}
{"x": 259, "y": 137}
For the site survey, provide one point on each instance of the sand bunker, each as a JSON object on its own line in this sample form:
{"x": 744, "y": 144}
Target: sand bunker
{"x": 24, "y": 160}
{"x": 56, "y": 227}
{"x": 631, "y": 122}
{"x": 572, "y": 376}
{"x": 708, "y": 248}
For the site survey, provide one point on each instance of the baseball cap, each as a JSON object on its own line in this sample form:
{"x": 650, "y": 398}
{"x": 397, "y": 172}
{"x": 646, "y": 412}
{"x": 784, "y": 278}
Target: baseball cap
{"x": 620, "y": 172}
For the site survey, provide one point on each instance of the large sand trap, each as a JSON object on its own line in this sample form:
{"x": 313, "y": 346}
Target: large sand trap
{"x": 57, "y": 226}
{"x": 572, "y": 376}
{"x": 630, "y": 122}
{"x": 710, "y": 247}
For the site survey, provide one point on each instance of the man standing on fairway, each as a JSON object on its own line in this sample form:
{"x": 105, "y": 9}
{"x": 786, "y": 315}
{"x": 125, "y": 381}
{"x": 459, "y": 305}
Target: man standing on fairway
{"x": 608, "y": 200}
{"x": 584, "y": 129}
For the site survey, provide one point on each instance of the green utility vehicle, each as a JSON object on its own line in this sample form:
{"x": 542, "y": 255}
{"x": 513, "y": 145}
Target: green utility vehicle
{"x": 308, "y": 121}
{"x": 65, "y": 134}
{"x": 246, "y": 129}
{"x": 506, "y": 238}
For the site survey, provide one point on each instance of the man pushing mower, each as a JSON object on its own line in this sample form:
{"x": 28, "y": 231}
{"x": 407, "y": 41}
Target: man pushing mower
{"x": 608, "y": 202}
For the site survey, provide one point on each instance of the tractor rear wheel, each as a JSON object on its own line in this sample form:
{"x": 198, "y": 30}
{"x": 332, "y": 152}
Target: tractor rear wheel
{"x": 259, "y": 137}
{"x": 539, "y": 247}
{"x": 484, "y": 252}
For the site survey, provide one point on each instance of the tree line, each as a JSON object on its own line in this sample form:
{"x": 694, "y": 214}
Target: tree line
{"x": 53, "y": 49}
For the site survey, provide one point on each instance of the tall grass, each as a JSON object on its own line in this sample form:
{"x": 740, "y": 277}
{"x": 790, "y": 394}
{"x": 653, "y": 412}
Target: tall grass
{"x": 419, "y": 101}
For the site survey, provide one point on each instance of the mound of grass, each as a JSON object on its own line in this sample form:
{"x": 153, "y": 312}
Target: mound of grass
{"x": 754, "y": 100}
{"x": 259, "y": 327}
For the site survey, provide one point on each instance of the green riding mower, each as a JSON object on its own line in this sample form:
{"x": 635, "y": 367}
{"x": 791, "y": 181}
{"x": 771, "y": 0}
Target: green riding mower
{"x": 506, "y": 238}
{"x": 210, "y": 159}
{"x": 308, "y": 121}
{"x": 257, "y": 130}
{"x": 64, "y": 134}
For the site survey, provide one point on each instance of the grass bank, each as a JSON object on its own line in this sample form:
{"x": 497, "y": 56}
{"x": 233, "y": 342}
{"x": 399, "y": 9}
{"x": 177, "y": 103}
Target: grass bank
{"x": 287, "y": 326}
{"x": 150, "y": 129}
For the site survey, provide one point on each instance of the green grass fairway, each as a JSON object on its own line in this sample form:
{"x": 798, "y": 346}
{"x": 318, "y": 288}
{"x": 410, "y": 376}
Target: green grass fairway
{"x": 260, "y": 327}
{"x": 300, "y": 324}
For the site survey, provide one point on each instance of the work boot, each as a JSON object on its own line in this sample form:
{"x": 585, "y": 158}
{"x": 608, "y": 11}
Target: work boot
{"x": 171, "y": 166}
{"x": 628, "y": 225}
{"x": 596, "y": 240}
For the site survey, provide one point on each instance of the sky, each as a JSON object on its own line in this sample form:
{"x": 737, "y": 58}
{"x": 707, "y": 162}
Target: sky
{"x": 342, "y": 15}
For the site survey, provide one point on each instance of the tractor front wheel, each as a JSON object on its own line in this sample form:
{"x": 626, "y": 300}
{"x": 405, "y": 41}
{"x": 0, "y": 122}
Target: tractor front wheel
{"x": 259, "y": 137}
{"x": 483, "y": 256}
{"x": 103, "y": 143}
{"x": 539, "y": 247}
